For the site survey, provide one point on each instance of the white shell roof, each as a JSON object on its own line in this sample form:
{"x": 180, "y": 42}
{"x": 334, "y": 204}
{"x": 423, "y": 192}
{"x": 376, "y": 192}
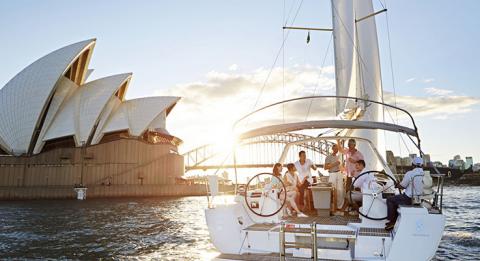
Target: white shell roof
{"x": 41, "y": 100}
{"x": 82, "y": 111}
{"x": 65, "y": 89}
{"x": 137, "y": 115}
{"x": 23, "y": 100}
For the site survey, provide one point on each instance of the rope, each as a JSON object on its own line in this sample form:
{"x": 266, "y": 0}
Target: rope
{"x": 320, "y": 74}
{"x": 276, "y": 59}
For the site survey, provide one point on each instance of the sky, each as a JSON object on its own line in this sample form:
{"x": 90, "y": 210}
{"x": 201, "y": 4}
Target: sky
{"x": 217, "y": 55}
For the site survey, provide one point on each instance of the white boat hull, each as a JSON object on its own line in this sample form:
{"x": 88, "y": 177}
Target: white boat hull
{"x": 416, "y": 236}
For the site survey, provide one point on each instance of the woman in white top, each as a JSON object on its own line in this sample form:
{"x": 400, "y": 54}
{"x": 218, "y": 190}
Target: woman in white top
{"x": 291, "y": 183}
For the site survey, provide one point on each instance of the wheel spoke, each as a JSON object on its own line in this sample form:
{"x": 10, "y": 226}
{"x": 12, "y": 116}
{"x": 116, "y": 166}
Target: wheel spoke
{"x": 370, "y": 208}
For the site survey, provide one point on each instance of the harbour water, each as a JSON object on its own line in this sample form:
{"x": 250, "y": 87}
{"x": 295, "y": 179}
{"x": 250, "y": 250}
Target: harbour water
{"x": 168, "y": 228}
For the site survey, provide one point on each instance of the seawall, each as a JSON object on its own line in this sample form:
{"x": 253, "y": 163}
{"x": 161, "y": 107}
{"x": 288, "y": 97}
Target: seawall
{"x": 100, "y": 191}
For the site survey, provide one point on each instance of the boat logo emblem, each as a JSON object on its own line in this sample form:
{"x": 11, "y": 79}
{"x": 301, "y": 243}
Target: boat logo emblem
{"x": 419, "y": 226}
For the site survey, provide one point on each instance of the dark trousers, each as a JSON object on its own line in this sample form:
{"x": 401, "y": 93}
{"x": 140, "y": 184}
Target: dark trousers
{"x": 301, "y": 190}
{"x": 393, "y": 203}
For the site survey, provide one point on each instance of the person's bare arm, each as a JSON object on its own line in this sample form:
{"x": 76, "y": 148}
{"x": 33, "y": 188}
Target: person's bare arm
{"x": 328, "y": 166}
{"x": 340, "y": 147}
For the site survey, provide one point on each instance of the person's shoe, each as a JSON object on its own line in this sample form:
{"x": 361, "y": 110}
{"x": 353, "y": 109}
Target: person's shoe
{"x": 389, "y": 226}
{"x": 300, "y": 214}
{"x": 338, "y": 213}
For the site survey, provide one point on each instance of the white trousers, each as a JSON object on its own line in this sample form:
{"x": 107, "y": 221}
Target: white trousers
{"x": 336, "y": 178}
{"x": 291, "y": 196}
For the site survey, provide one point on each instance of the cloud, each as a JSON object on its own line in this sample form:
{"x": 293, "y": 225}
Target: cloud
{"x": 209, "y": 107}
{"x": 410, "y": 80}
{"x": 233, "y": 67}
{"x": 438, "y": 91}
{"x": 435, "y": 106}
{"x": 428, "y": 80}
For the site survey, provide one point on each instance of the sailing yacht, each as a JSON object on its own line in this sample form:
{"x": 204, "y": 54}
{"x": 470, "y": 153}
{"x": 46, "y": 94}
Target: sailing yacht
{"x": 255, "y": 227}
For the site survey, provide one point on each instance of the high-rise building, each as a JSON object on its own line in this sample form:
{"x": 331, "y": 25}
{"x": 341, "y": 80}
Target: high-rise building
{"x": 392, "y": 164}
{"x": 412, "y": 155}
{"x": 476, "y": 167}
{"x": 398, "y": 161}
{"x": 468, "y": 162}
{"x": 426, "y": 160}
{"x": 406, "y": 161}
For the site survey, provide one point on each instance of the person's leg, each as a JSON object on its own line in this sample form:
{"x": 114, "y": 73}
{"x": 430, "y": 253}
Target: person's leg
{"x": 340, "y": 190}
{"x": 392, "y": 208}
{"x": 333, "y": 181}
{"x": 301, "y": 190}
{"x": 291, "y": 199}
{"x": 348, "y": 184}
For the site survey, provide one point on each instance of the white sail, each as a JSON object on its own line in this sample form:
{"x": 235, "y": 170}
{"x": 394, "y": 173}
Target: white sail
{"x": 343, "y": 38}
{"x": 357, "y": 64}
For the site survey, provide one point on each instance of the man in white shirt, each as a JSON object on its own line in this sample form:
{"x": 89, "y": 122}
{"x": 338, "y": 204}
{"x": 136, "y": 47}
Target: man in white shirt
{"x": 303, "y": 166}
{"x": 362, "y": 181}
{"x": 332, "y": 165}
{"x": 412, "y": 183}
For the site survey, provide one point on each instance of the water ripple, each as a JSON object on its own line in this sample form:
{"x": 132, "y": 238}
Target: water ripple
{"x": 167, "y": 228}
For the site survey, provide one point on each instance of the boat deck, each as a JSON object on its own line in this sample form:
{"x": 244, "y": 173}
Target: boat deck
{"x": 263, "y": 257}
{"x": 325, "y": 220}
{"x": 332, "y": 220}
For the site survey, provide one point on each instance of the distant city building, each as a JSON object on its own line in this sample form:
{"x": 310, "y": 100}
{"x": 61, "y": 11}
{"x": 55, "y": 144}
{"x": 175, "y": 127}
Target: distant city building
{"x": 392, "y": 164}
{"x": 456, "y": 163}
{"x": 476, "y": 167}
{"x": 398, "y": 161}
{"x": 438, "y": 164}
{"x": 407, "y": 161}
{"x": 426, "y": 160}
{"x": 468, "y": 162}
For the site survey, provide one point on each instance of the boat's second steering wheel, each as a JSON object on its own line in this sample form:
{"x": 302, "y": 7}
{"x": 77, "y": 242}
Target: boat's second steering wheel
{"x": 276, "y": 191}
{"x": 381, "y": 178}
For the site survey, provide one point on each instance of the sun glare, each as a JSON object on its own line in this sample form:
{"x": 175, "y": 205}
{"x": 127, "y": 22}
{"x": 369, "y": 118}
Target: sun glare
{"x": 225, "y": 142}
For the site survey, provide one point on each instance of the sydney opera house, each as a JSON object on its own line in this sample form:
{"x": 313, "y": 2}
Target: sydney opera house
{"x": 59, "y": 129}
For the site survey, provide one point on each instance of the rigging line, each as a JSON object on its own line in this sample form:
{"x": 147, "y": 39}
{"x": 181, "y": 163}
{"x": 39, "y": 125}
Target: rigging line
{"x": 320, "y": 74}
{"x": 391, "y": 66}
{"x": 399, "y": 135}
{"x": 289, "y": 13}
{"x": 276, "y": 59}
{"x": 283, "y": 63}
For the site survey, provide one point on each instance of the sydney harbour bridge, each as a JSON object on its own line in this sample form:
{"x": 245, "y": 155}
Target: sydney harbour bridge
{"x": 258, "y": 152}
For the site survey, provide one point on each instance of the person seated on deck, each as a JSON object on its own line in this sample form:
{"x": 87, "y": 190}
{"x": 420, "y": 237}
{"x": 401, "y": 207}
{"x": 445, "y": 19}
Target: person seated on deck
{"x": 277, "y": 173}
{"x": 291, "y": 182}
{"x": 364, "y": 181}
{"x": 412, "y": 183}
{"x": 360, "y": 183}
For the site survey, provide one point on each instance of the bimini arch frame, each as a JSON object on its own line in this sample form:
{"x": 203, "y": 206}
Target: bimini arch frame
{"x": 409, "y": 131}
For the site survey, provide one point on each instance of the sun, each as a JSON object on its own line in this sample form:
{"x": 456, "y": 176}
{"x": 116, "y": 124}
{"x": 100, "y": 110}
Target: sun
{"x": 225, "y": 142}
